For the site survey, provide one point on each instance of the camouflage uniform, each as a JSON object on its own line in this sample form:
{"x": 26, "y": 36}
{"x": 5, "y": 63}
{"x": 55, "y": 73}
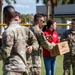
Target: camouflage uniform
{"x": 35, "y": 56}
{"x": 69, "y": 58}
{"x": 41, "y": 38}
{"x": 13, "y": 50}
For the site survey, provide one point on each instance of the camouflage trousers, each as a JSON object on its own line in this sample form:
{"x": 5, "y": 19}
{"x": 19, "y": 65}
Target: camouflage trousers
{"x": 34, "y": 63}
{"x": 35, "y": 71}
{"x": 13, "y": 73}
{"x": 67, "y": 63}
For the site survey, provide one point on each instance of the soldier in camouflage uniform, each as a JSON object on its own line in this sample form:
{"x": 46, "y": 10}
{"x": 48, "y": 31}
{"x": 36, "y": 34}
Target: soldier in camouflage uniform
{"x": 18, "y": 17}
{"x": 36, "y": 55}
{"x": 29, "y": 56}
{"x": 15, "y": 45}
{"x": 69, "y": 58}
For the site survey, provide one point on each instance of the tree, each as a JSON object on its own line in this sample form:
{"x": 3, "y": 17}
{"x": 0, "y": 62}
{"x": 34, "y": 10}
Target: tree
{"x": 27, "y": 18}
{"x": 67, "y": 1}
{"x": 53, "y": 3}
{"x": 49, "y": 3}
{"x": 9, "y": 1}
{"x": 1, "y": 3}
{"x": 0, "y": 10}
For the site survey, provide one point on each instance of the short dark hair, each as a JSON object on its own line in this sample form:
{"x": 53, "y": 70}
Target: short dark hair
{"x": 17, "y": 14}
{"x": 9, "y": 11}
{"x": 37, "y": 16}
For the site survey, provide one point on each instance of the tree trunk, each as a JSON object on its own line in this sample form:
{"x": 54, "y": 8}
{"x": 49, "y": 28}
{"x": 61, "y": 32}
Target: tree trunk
{"x": 52, "y": 6}
{"x": 48, "y": 10}
{"x": 0, "y": 9}
{"x": 53, "y": 2}
{"x": 1, "y": 16}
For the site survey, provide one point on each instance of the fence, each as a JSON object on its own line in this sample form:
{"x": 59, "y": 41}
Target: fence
{"x": 43, "y": 24}
{"x": 60, "y": 27}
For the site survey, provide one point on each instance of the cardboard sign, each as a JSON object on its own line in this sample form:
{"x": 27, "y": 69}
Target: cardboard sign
{"x": 60, "y": 48}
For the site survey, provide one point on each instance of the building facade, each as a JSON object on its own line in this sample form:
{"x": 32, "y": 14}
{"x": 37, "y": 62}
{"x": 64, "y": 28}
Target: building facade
{"x": 62, "y": 14}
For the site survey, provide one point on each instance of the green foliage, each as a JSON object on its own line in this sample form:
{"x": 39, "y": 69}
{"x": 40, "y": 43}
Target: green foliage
{"x": 57, "y": 2}
{"x": 44, "y": 1}
{"x": 65, "y": 1}
{"x": 37, "y": 1}
{"x": 27, "y": 18}
{"x": 9, "y": 1}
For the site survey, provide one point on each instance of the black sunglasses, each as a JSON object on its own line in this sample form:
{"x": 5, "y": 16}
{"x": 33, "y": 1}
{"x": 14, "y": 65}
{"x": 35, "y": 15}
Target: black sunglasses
{"x": 42, "y": 21}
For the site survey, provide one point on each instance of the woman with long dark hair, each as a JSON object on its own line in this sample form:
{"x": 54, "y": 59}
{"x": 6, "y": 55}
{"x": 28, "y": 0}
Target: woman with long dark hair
{"x": 52, "y": 37}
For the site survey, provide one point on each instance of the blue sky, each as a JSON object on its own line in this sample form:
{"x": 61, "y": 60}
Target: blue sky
{"x": 24, "y": 6}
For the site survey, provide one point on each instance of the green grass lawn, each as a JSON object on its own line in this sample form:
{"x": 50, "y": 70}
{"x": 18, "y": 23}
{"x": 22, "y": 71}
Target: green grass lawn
{"x": 58, "y": 70}
{"x": 59, "y": 65}
{"x": 0, "y": 67}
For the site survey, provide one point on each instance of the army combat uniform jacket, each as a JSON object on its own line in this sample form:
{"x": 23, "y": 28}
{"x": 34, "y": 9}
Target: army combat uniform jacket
{"x": 42, "y": 43}
{"x": 41, "y": 37}
{"x": 69, "y": 58}
{"x": 14, "y": 42}
{"x": 65, "y": 37}
{"x": 35, "y": 56}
